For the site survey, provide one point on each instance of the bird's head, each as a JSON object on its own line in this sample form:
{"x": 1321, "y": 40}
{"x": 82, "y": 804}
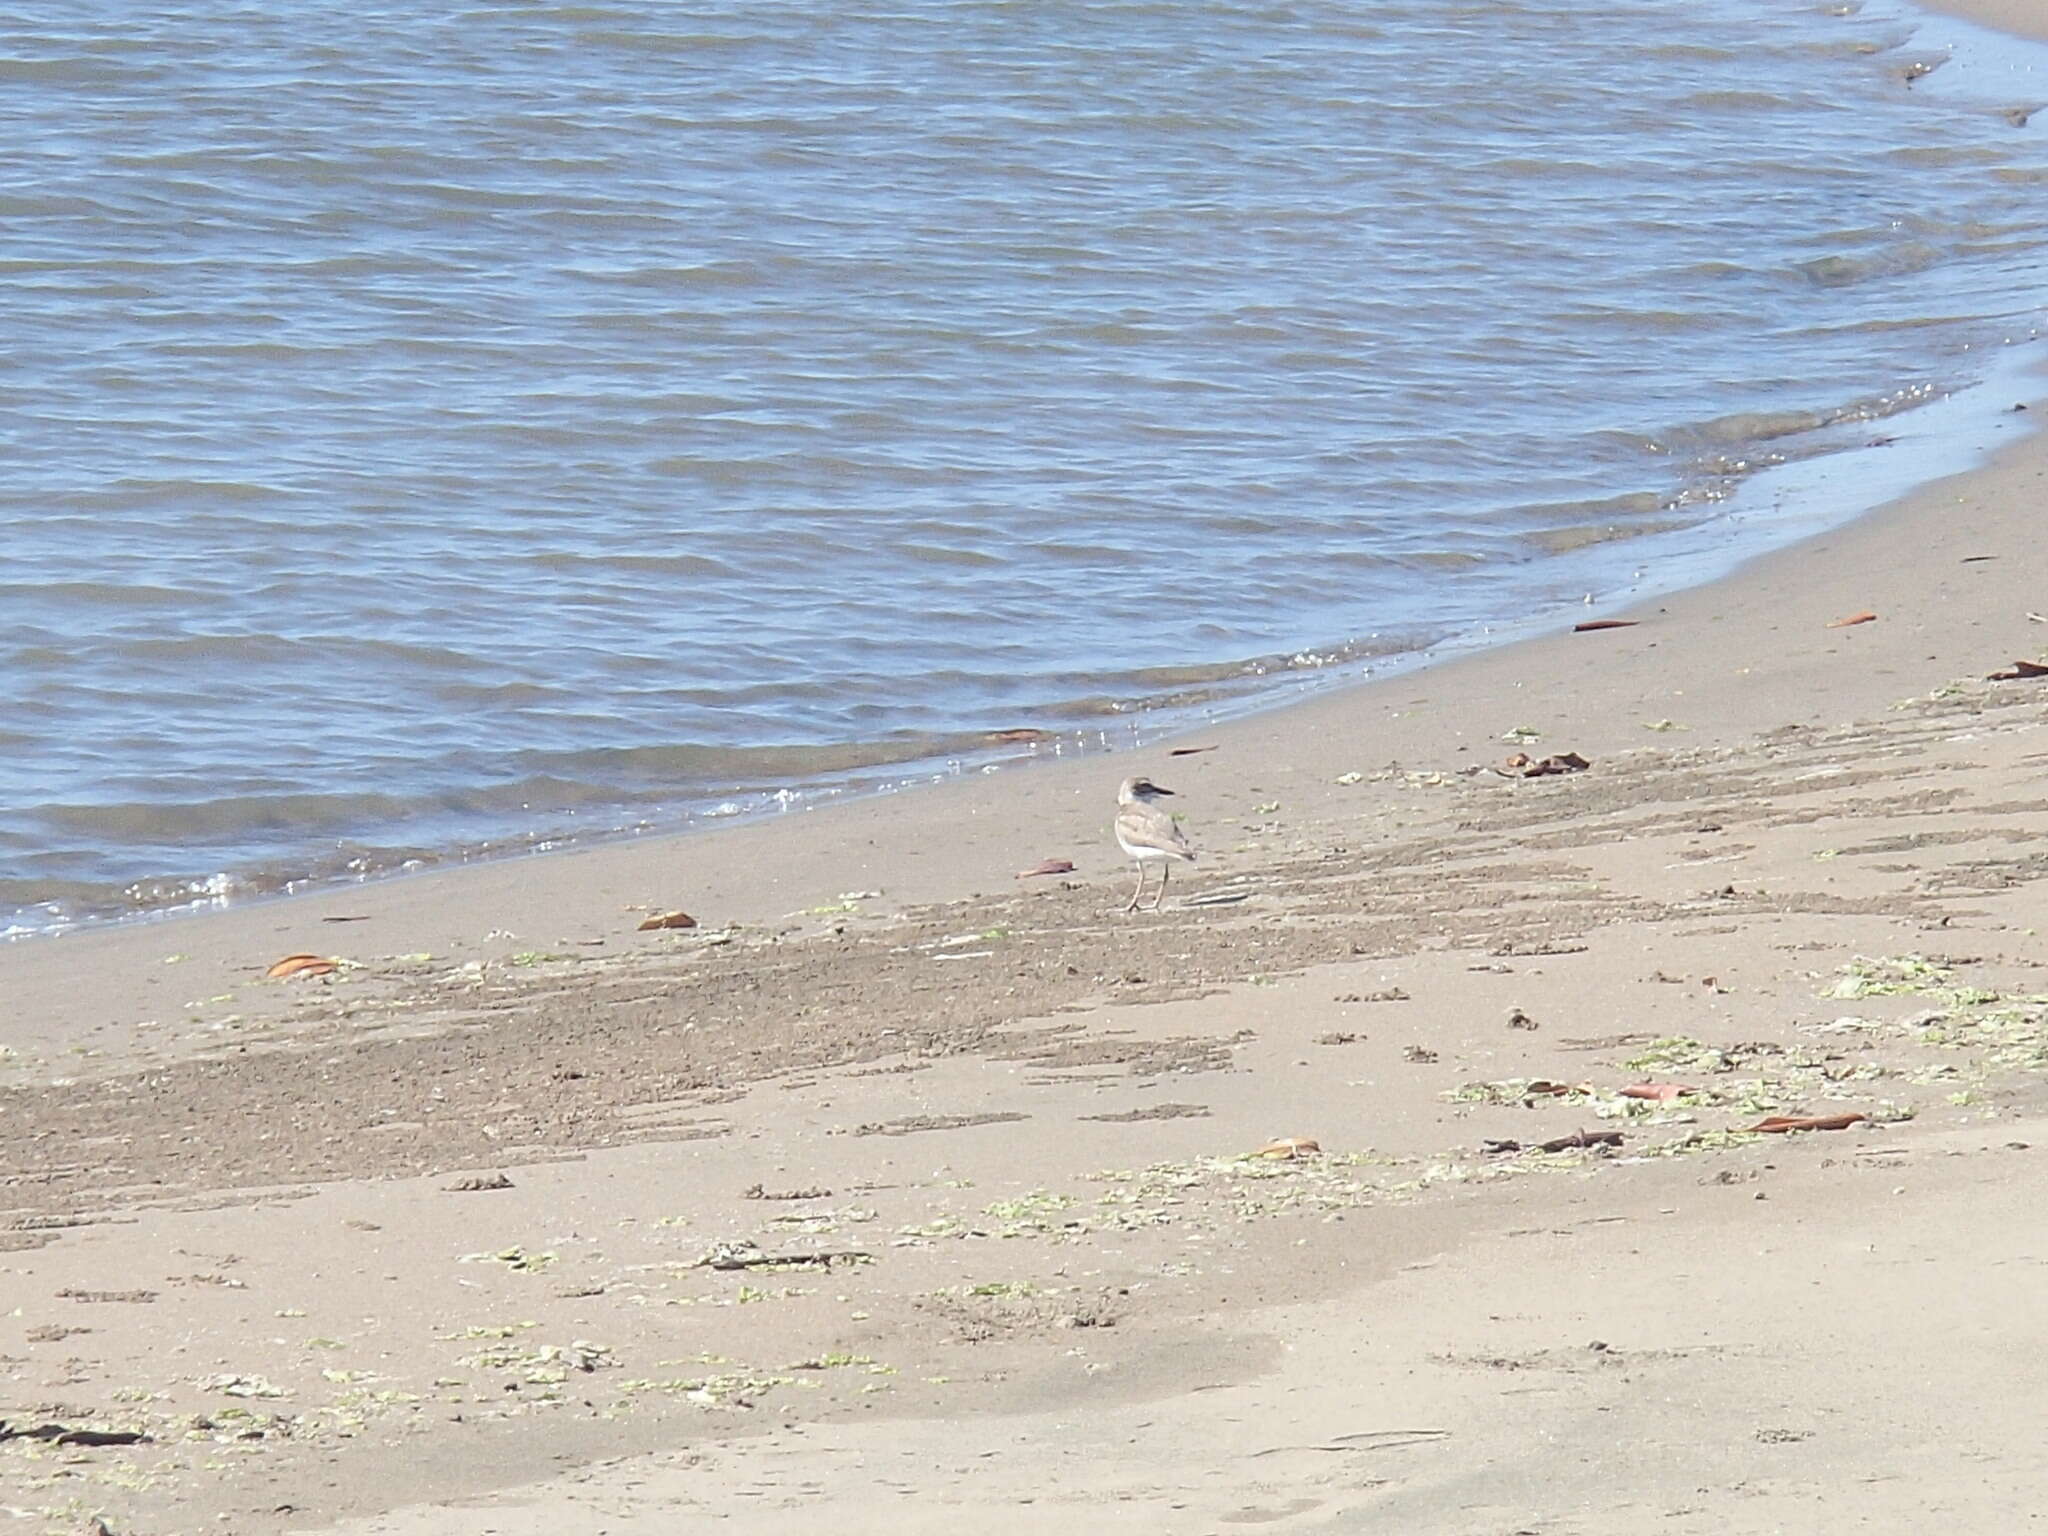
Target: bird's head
{"x": 1140, "y": 788}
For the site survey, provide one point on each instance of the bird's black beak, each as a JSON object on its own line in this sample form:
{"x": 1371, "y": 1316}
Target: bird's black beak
{"x": 1159, "y": 790}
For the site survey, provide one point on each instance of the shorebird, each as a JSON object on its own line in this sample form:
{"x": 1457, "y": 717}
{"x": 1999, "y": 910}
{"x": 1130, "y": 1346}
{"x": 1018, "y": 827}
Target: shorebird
{"x": 1147, "y": 834}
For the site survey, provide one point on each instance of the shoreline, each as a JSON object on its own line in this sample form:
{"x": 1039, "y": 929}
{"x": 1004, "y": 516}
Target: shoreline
{"x": 1683, "y": 559}
{"x": 879, "y": 854}
{"x": 1687, "y": 553}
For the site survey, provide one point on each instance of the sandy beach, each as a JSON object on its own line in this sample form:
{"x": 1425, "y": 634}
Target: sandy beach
{"x": 1412, "y": 1170}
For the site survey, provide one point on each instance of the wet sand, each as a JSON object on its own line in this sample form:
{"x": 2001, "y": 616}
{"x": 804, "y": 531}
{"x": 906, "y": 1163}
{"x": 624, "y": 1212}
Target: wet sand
{"x": 903, "y": 1191}
{"x": 2022, "y": 18}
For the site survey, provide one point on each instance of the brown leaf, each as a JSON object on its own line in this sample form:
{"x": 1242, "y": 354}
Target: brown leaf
{"x": 1865, "y": 617}
{"x": 1521, "y": 765}
{"x": 1188, "y": 751}
{"x": 760, "y": 1192}
{"x": 476, "y": 1183}
{"x": 1662, "y": 1093}
{"x": 64, "y": 1434}
{"x": 1047, "y": 867}
{"x": 1776, "y": 1124}
{"x": 2016, "y": 671}
{"x": 1592, "y": 624}
{"x": 300, "y": 965}
{"x": 1021, "y": 734}
{"x": 667, "y": 920}
{"x": 1582, "y": 1139}
{"x": 1290, "y": 1147}
{"x": 1562, "y": 762}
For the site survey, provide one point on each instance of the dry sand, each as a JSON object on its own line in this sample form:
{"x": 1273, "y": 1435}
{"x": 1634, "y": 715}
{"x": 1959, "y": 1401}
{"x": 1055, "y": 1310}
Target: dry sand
{"x": 885, "y": 1212}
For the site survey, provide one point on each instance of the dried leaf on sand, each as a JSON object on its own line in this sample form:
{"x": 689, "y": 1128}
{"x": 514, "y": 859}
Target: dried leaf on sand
{"x": 480, "y": 1182}
{"x": 677, "y": 919}
{"x": 1581, "y": 1139}
{"x": 1290, "y": 1147}
{"x": 1047, "y": 867}
{"x": 64, "y": 1434}
{"x": 1778, "y": 1124}
{"x": 1521, "y": 765}
{"x": 1661, "y": 1093}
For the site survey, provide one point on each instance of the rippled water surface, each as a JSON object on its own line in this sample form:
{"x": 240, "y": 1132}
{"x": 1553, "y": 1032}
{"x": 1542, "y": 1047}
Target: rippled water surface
{"x": 434, "y": 430}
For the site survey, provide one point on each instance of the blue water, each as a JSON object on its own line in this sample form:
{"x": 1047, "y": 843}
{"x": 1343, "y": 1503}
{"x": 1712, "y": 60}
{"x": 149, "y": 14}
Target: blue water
{"x": 452, "y": 434}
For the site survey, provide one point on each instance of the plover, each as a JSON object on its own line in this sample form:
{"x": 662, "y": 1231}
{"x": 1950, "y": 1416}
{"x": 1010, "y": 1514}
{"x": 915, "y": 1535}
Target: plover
{"x": 1147, "y": 834}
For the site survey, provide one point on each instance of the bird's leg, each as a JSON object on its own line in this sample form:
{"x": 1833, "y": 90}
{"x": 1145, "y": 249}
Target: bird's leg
{"x": 1165, "y": 869}
{"x": 1141, "y": 887}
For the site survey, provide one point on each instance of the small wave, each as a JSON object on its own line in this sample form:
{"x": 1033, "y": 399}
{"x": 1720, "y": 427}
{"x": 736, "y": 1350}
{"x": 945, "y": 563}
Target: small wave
{"x": 102, "y": 594}
{"x": 934, "y": 554}
{"x": 715, "y": 274}
{"x": 504, "y": 695}
{"x": 1547, "y": 514}
{"x": 1651, "y": 322}
{"x": 704, "y": 567}
{"x": 121, "y": 494}
{"x": 79, "y": 70}
{"x": 1845, "y": 271}
{"x": 1735, "y": 101}
{"x": 671, "y": 768}
{"x": 167, "y": 823}
{"x": 1753, "y": 426}
{"x": 667, "y": 42}
{"x": 1577, "y": 536}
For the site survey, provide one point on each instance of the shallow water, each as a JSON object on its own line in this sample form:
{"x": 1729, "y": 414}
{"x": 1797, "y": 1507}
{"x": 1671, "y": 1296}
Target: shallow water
{"x": 437, "y": 435}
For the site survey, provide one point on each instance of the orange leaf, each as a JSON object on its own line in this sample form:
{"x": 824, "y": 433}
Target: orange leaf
{"x": 1188, "y": 751}
{"x": 1865, "y": 617}
{"x": 668, "y": 920}
{"x": 1777, "y": 1124}
{"x": 1662, "y": 1093}
{"x": 2016, "y": 671}
{"x": 299, "y": 965}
